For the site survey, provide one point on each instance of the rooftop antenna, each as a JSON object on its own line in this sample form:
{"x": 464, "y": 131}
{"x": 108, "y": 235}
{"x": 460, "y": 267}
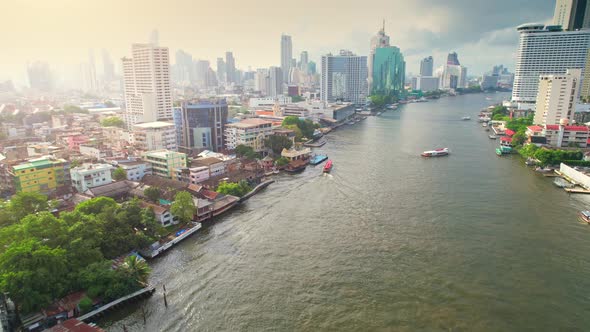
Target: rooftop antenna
{"x": 383, "y": 26}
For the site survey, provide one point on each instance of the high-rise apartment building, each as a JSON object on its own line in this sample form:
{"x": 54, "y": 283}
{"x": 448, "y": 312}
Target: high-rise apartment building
{"x": 230, "y": 67}
{"x": 545, "y": 50}
{"x": 344, "y": 78}
{"x": 40, "y": 77}
{"x": 377, "y": 41}
{"x": 155, "y": 136}
{"x": 303, "y": 61}
{"x": 556, "y": 97}
{"x": 275, "y": 81}
{"x": 426, "y": 66}
{"x": 452, "y": 75}
{"x": 108, "y": 66}
{"x": 572, "y": 14}
{"x": 201, "y": 124}
{"x": 286, "y": 56}
{"x": 146, "y": 76}
{"x": 261, "y": 81}
{"x": 220, "y": 70}
{"x": 389, "y": 71}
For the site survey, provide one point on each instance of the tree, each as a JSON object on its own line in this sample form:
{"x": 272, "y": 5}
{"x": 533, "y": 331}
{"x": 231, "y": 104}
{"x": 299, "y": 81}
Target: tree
{"x": 74, "y": 109}
{"x": 119, "y": 174}
{"x": 24, "y": 203}
{"x": 519, "y": 138}
{"x": 183, "y": 206}
{"x": 234, "y": 188}
{"x": 85, "y": 305}
{"x": 246, "y": 151}
{"x": 297, "y": 99}
{"x": 277, "y": 143}
{"x": 290, "y": 120}
{"x": 282, "y": 161}
{"x": 152, "y": 193}
{"x": 137, "y": 269}
{"x": 112, "y": 121}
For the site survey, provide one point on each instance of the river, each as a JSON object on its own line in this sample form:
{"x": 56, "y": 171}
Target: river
{"x": 388, "y": 241}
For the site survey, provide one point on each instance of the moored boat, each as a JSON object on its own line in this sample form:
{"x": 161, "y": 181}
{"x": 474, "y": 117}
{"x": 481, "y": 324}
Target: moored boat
{"x": 465, "y": 118}
{"x": 328, "y": 166}
{"x": 318, "y": 159}
{"x": 584, "y": 216}
{"x": 296, "y": 166}
{"x": 492, "y": 136}
{"x": 436, "y": 153}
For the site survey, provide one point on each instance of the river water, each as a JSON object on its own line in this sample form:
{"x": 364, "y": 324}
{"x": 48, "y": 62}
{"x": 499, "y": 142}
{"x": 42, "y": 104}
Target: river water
{"x": 388, "y": 241}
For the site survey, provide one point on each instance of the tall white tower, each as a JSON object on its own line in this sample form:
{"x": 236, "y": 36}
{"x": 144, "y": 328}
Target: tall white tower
{"x": 377, "y": 41}
{"x": 286, "y": 56}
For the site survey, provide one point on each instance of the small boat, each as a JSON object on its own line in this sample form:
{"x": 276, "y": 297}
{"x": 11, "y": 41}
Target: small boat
{"x": 328, "y": 166}
{"x": 492, "y": 136}
{"x": 318, "y": 159}
{"x": 485, "y": 124}
{"x": 544, "y": 170}
{"x": 561, "y": 183}
{"x": 436, "y": 153}
{"x": 465, "y": 118}
{"x": 584, "y": 216}
{"x": 501, "y": 150}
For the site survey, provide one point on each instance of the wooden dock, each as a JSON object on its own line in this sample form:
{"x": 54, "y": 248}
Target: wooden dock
{"x": 577, "y": 191}
{"x": 140, "y": 294}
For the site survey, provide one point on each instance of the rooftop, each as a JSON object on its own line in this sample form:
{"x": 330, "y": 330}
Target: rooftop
{"x": 154, "y": 125}
{"x": 163, "y": 153}
{"x": 535, "y": 129}
{"x": 249, "y": 123}
{"x": 205, "y": 162}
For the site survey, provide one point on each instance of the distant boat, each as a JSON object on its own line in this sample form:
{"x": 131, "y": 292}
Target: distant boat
{"x": 328, "y": 166}
{"x": 318, "y": 159}
{"x": 465, "y": 118}
{"x": 436, "y": 153}
{"x": 485, "y": 124}
{"x": 501, "y": 150}
{"x": 584, "y": 216}
{"x": 492, "y": 136}
{"x": 488, "y": 98}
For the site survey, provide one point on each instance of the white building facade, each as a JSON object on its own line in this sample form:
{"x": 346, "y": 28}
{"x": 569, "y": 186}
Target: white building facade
{"x": 556, "y": 97}
{"x": 545, "y": 50}
{"x": 248, "y": 132}
{"x": 146, "y": 77}
{"x": 90, "y": 175}
{"x": 155, "y": 136}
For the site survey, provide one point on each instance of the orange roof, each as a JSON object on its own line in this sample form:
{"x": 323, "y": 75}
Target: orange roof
{"x": 268, "y": 113}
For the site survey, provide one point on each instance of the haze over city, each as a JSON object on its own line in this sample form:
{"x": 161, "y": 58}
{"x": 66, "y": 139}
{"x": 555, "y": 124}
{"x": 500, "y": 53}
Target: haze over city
{"x": 61, "y": 32}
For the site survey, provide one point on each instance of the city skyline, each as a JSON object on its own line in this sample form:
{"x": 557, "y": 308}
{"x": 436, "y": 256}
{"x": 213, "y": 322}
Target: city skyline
{"x": 483, "y": 34}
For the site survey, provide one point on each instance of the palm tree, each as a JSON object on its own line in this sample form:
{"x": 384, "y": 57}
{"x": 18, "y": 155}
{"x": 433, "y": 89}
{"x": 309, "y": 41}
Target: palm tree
{"x": 137, "y": 268}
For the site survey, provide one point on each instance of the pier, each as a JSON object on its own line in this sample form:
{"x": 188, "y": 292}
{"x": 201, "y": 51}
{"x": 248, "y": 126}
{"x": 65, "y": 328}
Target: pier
{"x": 256, "y": 189}
{"x": 140, "y": 294}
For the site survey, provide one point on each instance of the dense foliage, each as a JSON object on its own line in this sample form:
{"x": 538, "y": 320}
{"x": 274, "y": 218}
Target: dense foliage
{"x": 183, "y": 206}
{"x": 43, "y": 257}
{"x": 500, "y": 113}
{"x": 552, "y": 157}
{"x": 112, "y": 121}
{"x": 119, "y": 174}
{"x": 380, "y": 100}
{"x": 152, "y": 193}
{"x": 246, "y": 151}
{"x": 282, "y": 161}
{"x": 235, "y": 189}
{"x": 303, "y": 128}
{"x": 277, "y": 143}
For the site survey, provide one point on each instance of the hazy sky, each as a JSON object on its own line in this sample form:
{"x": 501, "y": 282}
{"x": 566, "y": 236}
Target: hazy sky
{"x": 62, "y": 31}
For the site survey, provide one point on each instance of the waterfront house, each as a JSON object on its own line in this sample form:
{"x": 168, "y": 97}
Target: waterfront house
{"x": 506, "y": 141}
{"x": 267, "y": 163}
{"x": 296, "y": 154}
{"x": 163, "y": 215}
{"x": 248, "y": 132}
{"x": 561, "y": 135}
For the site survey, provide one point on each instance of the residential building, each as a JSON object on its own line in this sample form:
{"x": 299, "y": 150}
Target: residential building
{"x": 560, "y": 135}
{"x": 389, "y": 71}
{"x": 426, "y": 83}
{"x": 198, "y": 174}
{"x": 585, "y": 87}
{"x": 216, "y": 167}
{"x": 230, "y": 68}
{"x": 43, "y": 175}
{"x": 275, "y": 82}
{"x": 90, "y": 175}
{"x": 135, "y": 169}
{"x": 286, "y": 56}
{"x": 165, "y": 163}
{"x": 248, "y": 132}
{"x": 344, "y": 78}
{"x": 489, "y": 82}
{"x": 378, "y": 41}
{"x": 155, "y": 136}
{"x": 269, "y": 102}
{"x": 74, "y": 141}
{"x": 303, "y": 62}
{"x": 162, "y": 213}
{"x": 261, "y": 83}
{"x": 146, "y": 77}
{"x": 557, "y": 96}
{"x": 427, "y": 66}
{"x": 572, "y": 14}
{"x": 201, "y": 124}
{"x": 545, "y": 50}
{"x": 220, "y": 70}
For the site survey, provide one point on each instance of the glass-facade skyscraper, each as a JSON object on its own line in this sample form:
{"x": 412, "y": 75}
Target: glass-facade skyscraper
{"x": 389, "y": 71}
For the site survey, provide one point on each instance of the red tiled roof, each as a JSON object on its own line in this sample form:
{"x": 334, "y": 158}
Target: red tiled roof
{"x": 576, "y": 128}
{"x": 506, "y": 139}
{"x": 552, "y": 127}
{"x": 74, "y": 325}
{"x": 510, "y": 132}
{"x": 209, "y": 194}
{"x": 535, "y": 128}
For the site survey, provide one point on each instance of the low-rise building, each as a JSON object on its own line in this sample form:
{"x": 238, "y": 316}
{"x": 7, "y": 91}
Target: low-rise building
{"x": 558, "y": 135}
{"x": 198, "y": 174}
{"x": 90, "y": 176}
{"x": 155, "y": 136}
{"x": 43, "y": 175}
{"x": 165, "y": 163}
{"x": 248, "y": 132}
{"x": 294, "y": 154}
{"x": 215, "y": 166}
{"x": 163, "y": 215}
{"x": 135, "y": 169}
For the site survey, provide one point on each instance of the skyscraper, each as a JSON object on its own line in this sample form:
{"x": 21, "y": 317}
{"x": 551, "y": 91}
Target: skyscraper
{"x": 555, "y": 96}
{"x": 275, "y": 81}
{"x": 453, "y": 59}
{"x": 389, "y": 71}
{"x": 303, "y": 61}
{"x": 40, "y": 77}
{"x": 286, "y": 56}
{"x": 452, "y": 74}
{"x": 426, "y": 66}
{"x": 344, "y": 77}
{"x": 146, "y": 76}
{"x": 220, "y": 71}
{"x": 183, "y": 67}
{"x": 572, "y": 14}
{"x": 379, "y": 40}
{"x": 261, "y": 81}
{"x": 201, "y": 124}
{"x": 545, "y": 50}
{"x": 230, "y": 68}
{"x": 108, "y": 66}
